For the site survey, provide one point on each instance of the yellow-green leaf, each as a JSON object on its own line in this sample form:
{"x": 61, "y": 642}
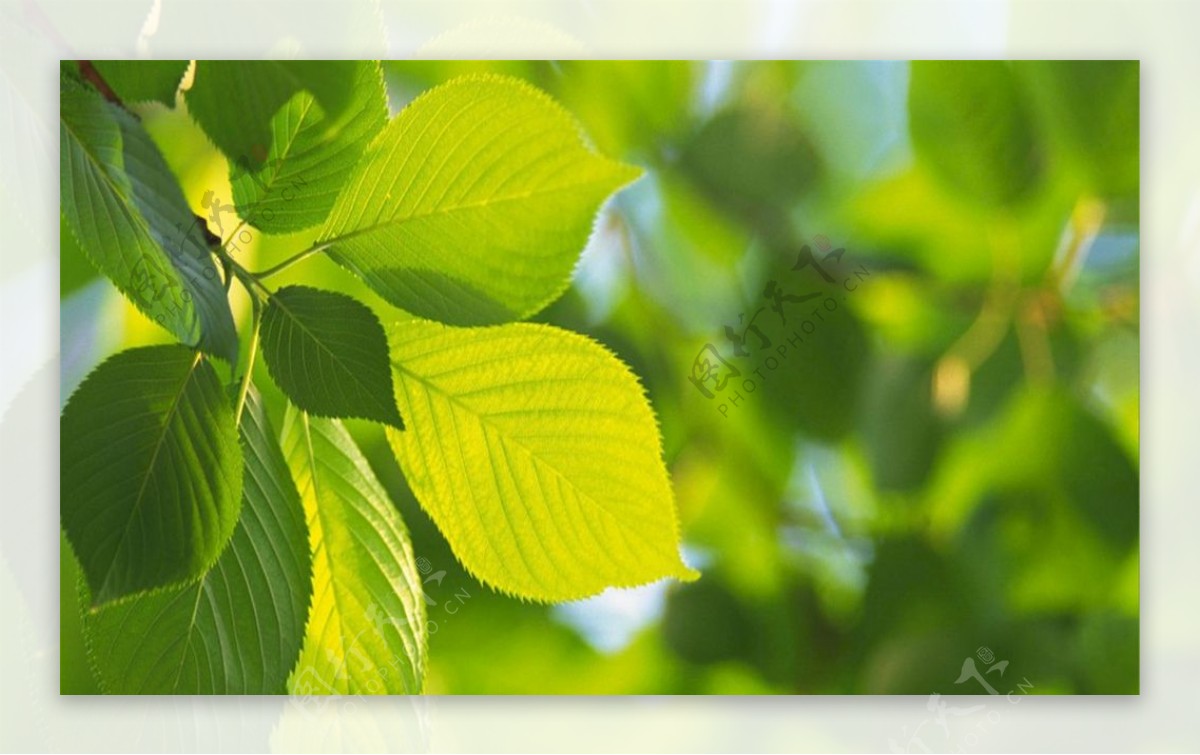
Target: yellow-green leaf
{"x": 366, "y": 629}
{"x": 473, "y": 204}
{"x": 535, "y": 451}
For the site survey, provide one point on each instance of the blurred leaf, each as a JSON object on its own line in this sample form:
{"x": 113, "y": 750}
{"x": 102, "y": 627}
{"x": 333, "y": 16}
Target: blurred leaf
{"x": 705, "y": 624}
{"x": 754, "y": 162}
{"x": 717, "y": 486}
{"x": 126, "y": 210}
{"x": 856, "y": 114}
{"x": 1095, "y": 104}
{"x": 308, "y": 163}
{"x": 629, "y": 106}
{"x": 151, "y": 471}
{"x": 329, "y": 354}
{"x": 970, "y": 121}
{"x": 697, "y": 287}
{"x": 914, "y": 220}
{"x": 480, "y": 219}
{"x": 237, "y": 630}
{"x": 366, "y": 631}
{"x": 1109, "y": 654}
{"x": 535, "y": 451}
{"x": 815, "y": 386}
{"x": 1064, "y": 492}
{"x": 143, "y": 80}
{"x": 235, "y": 101}
{"x": 903, "y": 434}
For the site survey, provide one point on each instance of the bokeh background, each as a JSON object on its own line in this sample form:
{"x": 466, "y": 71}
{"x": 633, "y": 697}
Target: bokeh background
{"x": 942, "y": 466}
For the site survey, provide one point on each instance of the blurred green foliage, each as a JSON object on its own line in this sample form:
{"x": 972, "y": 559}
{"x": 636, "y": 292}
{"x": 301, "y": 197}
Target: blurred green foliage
{"x": 947, "y": 461}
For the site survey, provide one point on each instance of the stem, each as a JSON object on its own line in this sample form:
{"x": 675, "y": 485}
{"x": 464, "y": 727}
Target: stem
{"x": 314, "y": 249}
{"x": 233, "y": 233}
{"x": 244, "y": 389}
{"x": 90, "y": 74}
{"x": 256, "y": 301}
{"x": 249, "y": 280}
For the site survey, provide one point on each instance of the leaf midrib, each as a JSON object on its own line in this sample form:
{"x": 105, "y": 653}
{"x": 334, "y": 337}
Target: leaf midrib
{"x": 439, "y": 211}
{"x": 353, "y": 375}
{"x": 162, "y": 435}
{"x": 505, "y": 435}
{"x": 320, "y": 515}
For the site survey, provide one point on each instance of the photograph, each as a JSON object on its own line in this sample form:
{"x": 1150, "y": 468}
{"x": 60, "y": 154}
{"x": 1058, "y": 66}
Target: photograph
{"x": 601, "y": 377}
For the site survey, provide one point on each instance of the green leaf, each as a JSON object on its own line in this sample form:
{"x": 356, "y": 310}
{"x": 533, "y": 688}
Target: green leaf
{"x": 630, "y": 105}
{"x": 329, "y": 354}
{"x": 537, "y": 455}
{"x": 366, "y": 630}
{"x": 970, "y": 121}
{"x": 755, "y": 163}
{"x": 125, "y": 208}
{"x": 1095, "y": 104}
{"x": 307, "y": 165}
{"x": 239, "y": 629}
{"x": 151, "y": 471}
{"x": 473, "y": 204}
{"x": 143, "y": 80}
{"x": 234, "y": 101}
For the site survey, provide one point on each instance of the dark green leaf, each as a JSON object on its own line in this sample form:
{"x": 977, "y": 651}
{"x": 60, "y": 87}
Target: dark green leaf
{"x": 307, "y": 163}
{"x": 143, "y": 80}
{"x": 151, "y": 471}
{"x": 234, "y": 101}
{"x": 329, "y": 354}
{"x": 125, "y": 208}
{"x": 755, "y": 162}
{"x": 239, "y": 629}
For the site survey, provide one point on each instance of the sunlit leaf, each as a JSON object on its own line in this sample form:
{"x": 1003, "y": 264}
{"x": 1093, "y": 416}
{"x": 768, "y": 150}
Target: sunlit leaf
{"x": 366, "y": 630}
{"x": 473, "y": 204}
{"x": 537, "y": 455}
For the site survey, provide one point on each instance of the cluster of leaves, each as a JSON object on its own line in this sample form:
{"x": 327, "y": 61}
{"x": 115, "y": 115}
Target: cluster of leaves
{"x": 218, "y": 555}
